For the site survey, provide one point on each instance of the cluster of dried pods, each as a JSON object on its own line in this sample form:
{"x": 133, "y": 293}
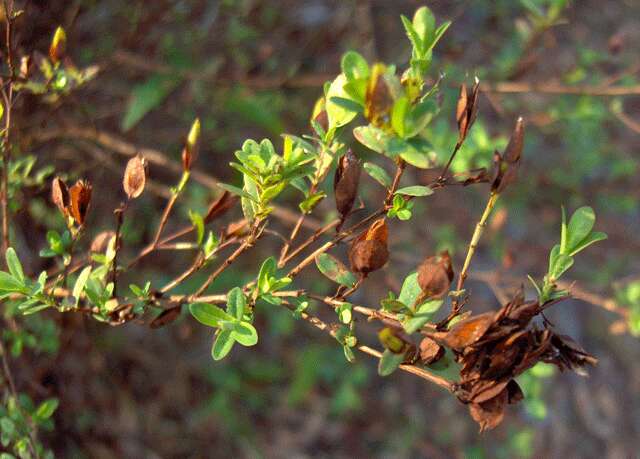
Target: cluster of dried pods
{"x": 492, "y": 348}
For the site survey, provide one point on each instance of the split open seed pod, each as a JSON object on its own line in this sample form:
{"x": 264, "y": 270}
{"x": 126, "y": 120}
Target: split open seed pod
{"x": 467, "y": 109}
{"x": 369, "y": 251}
{"x": 506, "y": 165}
{"x": 80, "y": 196}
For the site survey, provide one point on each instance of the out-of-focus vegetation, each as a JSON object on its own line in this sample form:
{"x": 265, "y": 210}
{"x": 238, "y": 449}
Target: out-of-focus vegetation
{"x": 253, "y": 69}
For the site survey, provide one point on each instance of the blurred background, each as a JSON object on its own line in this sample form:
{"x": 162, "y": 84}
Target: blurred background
{"x": 253, "y": 69}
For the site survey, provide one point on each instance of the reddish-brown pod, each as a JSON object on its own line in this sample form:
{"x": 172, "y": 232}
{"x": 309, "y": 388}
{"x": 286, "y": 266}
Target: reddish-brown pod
{"x": 369, "y": 251}
{"x": 60, "y": 195}
{"x": 506, "y": 165}
{"x": 80, "y": 195}
{"x": 346, "y": 181}
{"x": 435, "y": 275}
{"x": 467, "y": 109}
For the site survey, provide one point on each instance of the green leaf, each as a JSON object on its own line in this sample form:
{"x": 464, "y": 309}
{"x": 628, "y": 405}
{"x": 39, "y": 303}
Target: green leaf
{"x": 245, "y": 334}
{"x": 348, "y": 354}
{"x": 310, "y": 202}
{"x": 399, "y": 114}
{"x": 420, "y": 116}
{"x": 208, "y": 314}
{"x": 410, "y": 290}
{"x": 389, "y": 362}
{"x": 423, "y": 314}
{"x": 46, "y": 409}
{"x": 222, "y": 345}
{"x": 439, "y": 33}
{"x": 78, "y": 287}
{"x": 580, "y": 225}
{"x": 373, "y": 138}
{"x": 347, "y": 104}
{"x": 412, "y": 34}
{"x": 9, "y": 283}
{"x": 414, "y": 151}
{"x": 563, "y": 232}
{"x": 404, "y": 214}
{"x": 147, "y": 96}
{"x": 559, "y": 262}
{"x": 267, "y": 270}
{"x": 424, "y": 23}
{"x": 15, "y": 267}
{"x": 378, "y": 174}
{"x": 354, "y": 66}
{"x": 592, "y": 238}
{"x": 237, "y": 191}
{"x": 338, "y": 115}
{"x": 415, "y": 190}
{"x": 198, "y": 222}
{"x": 250, "y": 205}
{"x": 344, "y": 313}
{"x": 335, "y": 270}
{"x": 236, "y": 303}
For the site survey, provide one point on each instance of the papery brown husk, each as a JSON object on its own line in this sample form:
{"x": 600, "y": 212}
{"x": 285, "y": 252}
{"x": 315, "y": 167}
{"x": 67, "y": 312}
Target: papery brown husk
{"x": 435, "y": 275}
{"x": 346, "y": 181}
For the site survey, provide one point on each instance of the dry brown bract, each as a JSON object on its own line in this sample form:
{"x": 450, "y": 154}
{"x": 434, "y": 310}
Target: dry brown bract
{"x": 495, "y": 347}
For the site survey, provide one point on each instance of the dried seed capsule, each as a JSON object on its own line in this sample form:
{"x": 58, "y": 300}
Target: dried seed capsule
{"x": 58, "y": 45}
{"x": 345, "y": 184}
{"x": 369, "y": 251}
{"x": 506, "y": 166}
{"x": 430, "y": 351}
{"x": 435, "y": 275}
{"x": 80, "y": 196}
{"x": 135, "y": 177}
{"x": 60, "y": 195}
{"x": 467, "y": 109}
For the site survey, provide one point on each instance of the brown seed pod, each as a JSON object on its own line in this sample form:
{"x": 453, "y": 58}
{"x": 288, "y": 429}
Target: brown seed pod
{"x": 489, "y": 414}
{"x": 80, "y": 196}
{"x": 468, "y": 331}
{"x": 506, "y": 166}
{"x": 135, "y": 177}
{"x": 369, "y": 251}
{"x": 60, "y": 195}
{"x": 345, "y": 183}
{"x": 430, "y": 351}
{"x": 435, "y": 275}
{"x": 467, "y": 109}
{"x": 220, "y": 206}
